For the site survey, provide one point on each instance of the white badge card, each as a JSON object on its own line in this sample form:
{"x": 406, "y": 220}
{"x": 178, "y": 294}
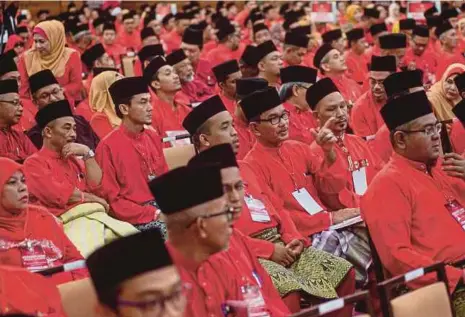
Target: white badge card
{"x": 257, "y": 210}
{"x": 359, "y": 177}
{"x": 306, "y": 201}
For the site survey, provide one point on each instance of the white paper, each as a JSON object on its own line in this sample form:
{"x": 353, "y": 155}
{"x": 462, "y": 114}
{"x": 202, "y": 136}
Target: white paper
{"x": 257, "y": 210}
{"x": 181, "y": 142}
{"x": 306, "y": 201}
{"x": 347, "y": 223}
{"x": 359, "y": 178}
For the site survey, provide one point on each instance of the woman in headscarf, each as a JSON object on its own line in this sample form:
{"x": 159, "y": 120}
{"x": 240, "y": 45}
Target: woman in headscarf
{"x": 444, "y": 95}
{"x": 354, "y": 14}
{"x": 104, "y": 119}
{"x": 394, "y": 14}
{"x": 30, "y": 236}
{"x": 16, "y": 43}
{"x": 49, "y": 52}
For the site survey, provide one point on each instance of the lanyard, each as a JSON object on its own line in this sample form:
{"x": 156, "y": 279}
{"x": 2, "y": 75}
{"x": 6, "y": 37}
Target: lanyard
{"x": 145, "y": 157}
{"x": 291, "y": 173}
{"x": 353, "y": 164}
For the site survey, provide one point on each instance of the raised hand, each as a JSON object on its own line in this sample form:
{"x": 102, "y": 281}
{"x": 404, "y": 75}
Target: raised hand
{"x": 454, "y": 165}
{"x": 324, "y": 136}
{"x": 74, "y": 149}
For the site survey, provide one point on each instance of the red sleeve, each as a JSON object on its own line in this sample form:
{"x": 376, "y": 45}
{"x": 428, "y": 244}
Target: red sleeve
{"x": 24, "y": 90}
{"x": 74, "y": 85}
{"x": 389, "y": 223}
{"x": 262, "y": 248}
{"x": 44, "y": 184}
{"x": 289, "y": 230}
{"x": 358, "y": 119}
{"x": 100, "y": 124}
{"x": 122, "y": 208}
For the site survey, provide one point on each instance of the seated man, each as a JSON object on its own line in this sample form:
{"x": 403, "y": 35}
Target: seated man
{"x": 13, "y": 144}
{"x": 63, "y": 177}
{"x": 294, "y": 49}
{"x": 294, "y": 267}
{"x": 394, "y": 44}
{"x": 199, "y": 229}
{"x": 193, "y": 90}
{"x": 226, "y": 75}
{"x": 167, "y": 113}
{"x": 331, "y": 63}
{"x": 292, "y": 174}
{"x": 261, "y": 33}
{"x": 365, "y": 117}
{"x": 135, "y": 271}
{"x": 421, "y": 220}
{"x": 356, "y": 59}
{"x": 295, "y": 81}
{"x": 145, "y": 55}
{"x": 269, "y": 62}
{"x": 131, "y": 155}
{"x": 45, "y": 90}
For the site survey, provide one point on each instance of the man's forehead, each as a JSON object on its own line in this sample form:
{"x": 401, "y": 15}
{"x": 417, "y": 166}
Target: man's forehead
{"x": 276, "y": 110}
{"x": 47, "y": 88}
{"x": 9, "y": 96}
{"x": 144, "y": 95}
{"x": 65, "y": 120}
{"x": 9, "y": 75}
{"x": 333, "y": 98}
{"x": 378, "y": 75}
{"x": 425, "y": 120}
{"x": 220, "y": 117}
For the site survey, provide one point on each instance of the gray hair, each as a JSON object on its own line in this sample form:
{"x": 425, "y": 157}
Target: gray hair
{"x": 285, "y": 92}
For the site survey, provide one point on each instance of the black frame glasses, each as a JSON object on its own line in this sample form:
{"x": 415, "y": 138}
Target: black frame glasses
{"x": 276, "y": 120}
{"x": 229, "y": 212}
{"x": 16, "y": 102}
{"x": 428, "y": 131}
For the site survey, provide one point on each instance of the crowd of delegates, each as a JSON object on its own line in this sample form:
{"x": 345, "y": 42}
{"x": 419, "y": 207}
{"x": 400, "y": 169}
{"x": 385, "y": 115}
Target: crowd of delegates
{"x": 308, "y": 136}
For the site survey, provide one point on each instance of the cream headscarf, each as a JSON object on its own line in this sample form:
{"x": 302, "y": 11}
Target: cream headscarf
{"x": 59, "y": 54}
{"x": 99, "y": 96}
{"x": 442, "y": 106}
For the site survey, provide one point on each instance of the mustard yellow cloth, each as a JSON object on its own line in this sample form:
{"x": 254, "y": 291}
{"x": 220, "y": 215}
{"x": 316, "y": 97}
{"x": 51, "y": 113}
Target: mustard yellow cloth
{"x": 89, "y": 227}
{"x": 99, "y": 96}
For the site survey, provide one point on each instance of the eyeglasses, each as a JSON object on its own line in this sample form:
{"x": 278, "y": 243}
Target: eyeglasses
{"x": 16, "y": 102}
{"x": 156, "y": 308}
{"x": 229, "y": 212}
{"x": 428, "y": 131}
{"x": 276, "y": 120}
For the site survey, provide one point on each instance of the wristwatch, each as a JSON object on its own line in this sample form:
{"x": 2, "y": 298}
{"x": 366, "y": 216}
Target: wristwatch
{"x": 89, "y": 155}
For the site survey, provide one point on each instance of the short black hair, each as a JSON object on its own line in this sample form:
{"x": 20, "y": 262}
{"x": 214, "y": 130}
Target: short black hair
{"x": 125, "y": 101}
{"x": 110, "y": 298}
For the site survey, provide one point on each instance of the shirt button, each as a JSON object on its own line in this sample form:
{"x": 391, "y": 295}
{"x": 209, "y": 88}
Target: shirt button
{"x": 204, "y": 284}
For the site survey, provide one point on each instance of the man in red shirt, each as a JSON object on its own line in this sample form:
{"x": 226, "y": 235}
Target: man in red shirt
{"x": 335, "y": 39}
{"x": 94, "y": 56}
{"x": 167, "y": 113}
{"x": 131, "y": 155}
{"x": 193, "y": 89}
{"x": 295, "y": 80}
{"x": 168, "y": 23}
{"x": 394, "y": 44}
{"x": 223, "y": 271}
{"x": 227, "y": 74}
{"x": 269, "y": 62}
{"x": 421, "y": 56}
{"x": 422, "y": 197}
{"x": 406, "y": 26}
{"x": 248, "y": 62}
{"x": 13, "y": 144}
{"x": 261, "y": 33}
{"x": 376, "y": 31}
{"x": 192, "y": 45}
{"x": 448, "y": 55}
{"x": 356, "y": 60}
{"x": 129, "y": 37}
{"x": 173, "y": 39}
{"x": 450, "y": 15}
{"x": 126, "y": 270}
{"x": 145, "y": 55}
{"x": 113, "y": 49}
{"x": 332, "y": 64}
{"x": 365, "y": 117}
{"x": 148, "y": 37}
{"x": 294, "y": 49}
{"x": 229, "y": 46}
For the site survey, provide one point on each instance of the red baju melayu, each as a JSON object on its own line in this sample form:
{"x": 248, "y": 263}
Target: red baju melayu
{"x": 300, "y": 124}
{"x": 70, "y": 81}
{"x": 348, "y": 87}
{"x": 222, "y": 53}
{"x": 336, "y": 194}
{"x": 207, "y": 47}
{"x": 28, "y": 293}
{"x": 83, "y": 110}
{"x": 357, "y": 66}
{"x": 446, "y": 59}
{"x": 411, "y": 226}
{"x": 365, "y": 118}
{"x": 165, "y": 118}
{"x": 246, "y": 138}
{"x": 35, "y": 240}
{"x": 131, "y": 42}
{"x": 286, "y": 169}
{"x": 196, "y": 91}
{"x": 101, "y": 125}
{"x": 457, "y": 136}
{"x": 15, "y": 145}
{"x": 172, "y": 41}
{"x": 52, "y": 180}
{"x": 427, "y": 62}
{"x": 115, "y": 51}
{"x": 27, "y": 120}
{"x": 203, "y": 71}
{"x": 128, "y": 160}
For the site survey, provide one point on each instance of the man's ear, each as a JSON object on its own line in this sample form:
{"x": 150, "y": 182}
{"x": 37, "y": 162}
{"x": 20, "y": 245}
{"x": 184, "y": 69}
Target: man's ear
{"x": 254, "y": 128}
{"x": 221, "y": 85}
{"x": 399, "y": 138}
{"x": 261, "y": 66}
{"x": 124, "y": 109}
{"x": 295, "y": 88}
{"x": 325, "y": 67}
{"x": 155, "y": 84}
{"x": 462, "y": 94}
{"x": 203, "y": 140}
{"x": 47, "y": 132}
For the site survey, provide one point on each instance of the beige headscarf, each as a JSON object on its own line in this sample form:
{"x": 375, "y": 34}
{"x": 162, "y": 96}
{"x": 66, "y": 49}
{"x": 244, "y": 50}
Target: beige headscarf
{"x": 442, "y": 106}
{"x": 59, "y": 54}
{"x": 99, "y": 96}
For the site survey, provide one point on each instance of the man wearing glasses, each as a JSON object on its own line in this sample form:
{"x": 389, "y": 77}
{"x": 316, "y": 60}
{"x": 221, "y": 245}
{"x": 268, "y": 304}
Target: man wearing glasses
{"x": 13, "y": 144}
{"x": 421, "y": 221}
{"x": 45, "y": 90}
{"x": 135, "y": 276}
{"x": 199, "y": 224}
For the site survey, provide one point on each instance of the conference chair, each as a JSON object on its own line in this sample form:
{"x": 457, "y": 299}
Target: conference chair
{"x": 337, "y": 304}
{"x": 429, "y": 301}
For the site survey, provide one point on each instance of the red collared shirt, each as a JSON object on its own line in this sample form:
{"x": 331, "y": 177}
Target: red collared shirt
{"x": 15, "y": 145}
{"x": 365, "y": 115}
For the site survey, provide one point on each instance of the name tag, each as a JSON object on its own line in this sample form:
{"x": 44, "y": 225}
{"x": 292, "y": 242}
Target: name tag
{"x": 257, "y": 210}
{"x": 306, "y": 201}
{"x": 457, "y": 211}
{"x": 359, "y": 179}
{"x": 34, "y": 258}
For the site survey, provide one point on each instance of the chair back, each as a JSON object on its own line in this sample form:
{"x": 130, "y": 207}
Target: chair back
{"x": 178, "y": 156}
{"x": 79, "y": 298}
